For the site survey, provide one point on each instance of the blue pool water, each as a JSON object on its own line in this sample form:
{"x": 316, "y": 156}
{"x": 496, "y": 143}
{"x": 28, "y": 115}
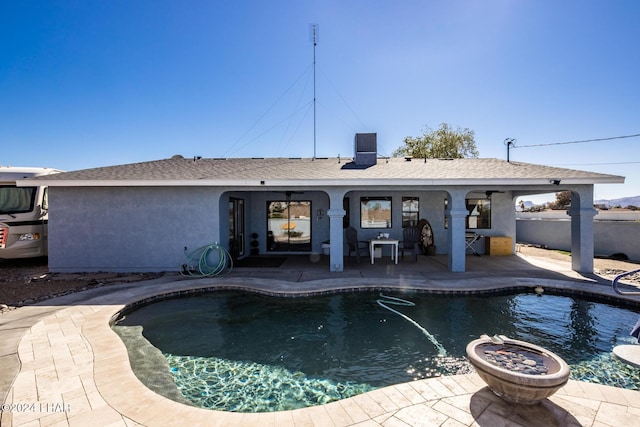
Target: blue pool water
{"x": 251, "y": 353}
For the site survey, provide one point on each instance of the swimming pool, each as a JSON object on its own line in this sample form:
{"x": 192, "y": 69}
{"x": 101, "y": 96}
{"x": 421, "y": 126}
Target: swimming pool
{"x": 248, "y": 352}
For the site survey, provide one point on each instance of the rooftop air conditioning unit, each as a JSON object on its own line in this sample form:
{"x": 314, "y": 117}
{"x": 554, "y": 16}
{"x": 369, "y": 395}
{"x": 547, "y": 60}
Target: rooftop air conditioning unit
{"x": 366, "y": 149}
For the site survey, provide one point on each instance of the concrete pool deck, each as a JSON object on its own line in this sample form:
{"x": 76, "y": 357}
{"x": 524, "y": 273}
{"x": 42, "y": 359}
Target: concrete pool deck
{"x": 62, "y": 365}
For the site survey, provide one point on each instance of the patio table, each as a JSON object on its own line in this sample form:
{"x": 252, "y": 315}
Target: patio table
{"x": 392, "y": 242}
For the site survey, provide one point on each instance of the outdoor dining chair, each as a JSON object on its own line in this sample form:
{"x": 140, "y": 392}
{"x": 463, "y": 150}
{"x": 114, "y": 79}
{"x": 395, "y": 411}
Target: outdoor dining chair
{"x": 411, "y": 242}
{"x": 354, "y": 244}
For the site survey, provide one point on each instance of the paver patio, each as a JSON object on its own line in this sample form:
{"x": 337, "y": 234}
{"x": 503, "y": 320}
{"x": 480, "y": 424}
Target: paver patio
{"x": 62, "y": 365}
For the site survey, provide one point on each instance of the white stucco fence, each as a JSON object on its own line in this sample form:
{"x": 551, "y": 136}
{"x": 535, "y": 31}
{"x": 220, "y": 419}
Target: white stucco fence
{"x": 613, "y": 232}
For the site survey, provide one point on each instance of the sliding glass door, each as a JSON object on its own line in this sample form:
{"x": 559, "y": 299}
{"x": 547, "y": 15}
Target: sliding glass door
{"x": 289, "y": 225}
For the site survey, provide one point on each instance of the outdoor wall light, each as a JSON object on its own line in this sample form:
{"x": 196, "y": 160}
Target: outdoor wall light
{"x": 554, "y": 181}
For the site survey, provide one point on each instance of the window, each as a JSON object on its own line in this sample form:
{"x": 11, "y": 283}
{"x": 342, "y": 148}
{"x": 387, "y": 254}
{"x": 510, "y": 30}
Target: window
{"x": 15, "y": 200}
{"x": 45, "y": 199}
{"x": 346, "y": 219}
{"x": 289, "y": 225}
{"x": 410, "y": 212}
{"x": 236, "y": 227}
{"x": 446, "y": 218}
{"x": 479, "y": 213}
{"x": 375, "y": 212}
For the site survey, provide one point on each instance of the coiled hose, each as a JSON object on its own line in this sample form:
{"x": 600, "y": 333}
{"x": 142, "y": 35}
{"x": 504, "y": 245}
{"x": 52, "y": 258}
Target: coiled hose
{"x": 197, "y": 262}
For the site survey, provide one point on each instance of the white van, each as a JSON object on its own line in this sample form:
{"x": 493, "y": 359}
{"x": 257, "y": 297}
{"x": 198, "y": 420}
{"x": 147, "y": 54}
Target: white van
{"x": 23, "y": 214}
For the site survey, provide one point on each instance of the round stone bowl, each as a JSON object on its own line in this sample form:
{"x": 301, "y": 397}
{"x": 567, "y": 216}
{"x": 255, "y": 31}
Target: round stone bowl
{"x": 517, "y": 371}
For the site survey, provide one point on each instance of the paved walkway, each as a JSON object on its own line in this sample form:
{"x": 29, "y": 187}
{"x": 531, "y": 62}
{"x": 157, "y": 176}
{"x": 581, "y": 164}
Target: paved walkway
{"x": 62, "y": 365}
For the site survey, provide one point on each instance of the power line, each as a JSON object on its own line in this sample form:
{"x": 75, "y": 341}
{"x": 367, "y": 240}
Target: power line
{"x": 576, "y": 142}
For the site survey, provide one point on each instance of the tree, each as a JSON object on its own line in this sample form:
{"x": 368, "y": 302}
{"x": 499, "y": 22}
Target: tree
{"x": 563, "y": 201}
{"x": 443, "y": 143}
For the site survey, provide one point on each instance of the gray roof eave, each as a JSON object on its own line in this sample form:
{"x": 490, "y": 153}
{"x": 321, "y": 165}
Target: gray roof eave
{"x": 319, "y": 182}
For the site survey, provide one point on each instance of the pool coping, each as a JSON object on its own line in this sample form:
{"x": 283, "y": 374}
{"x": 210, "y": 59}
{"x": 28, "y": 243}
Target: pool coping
{"x": 70, "y": 355}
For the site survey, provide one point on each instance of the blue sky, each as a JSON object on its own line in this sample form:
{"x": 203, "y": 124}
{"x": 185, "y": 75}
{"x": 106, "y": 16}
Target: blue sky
{"x": 97, "y": 83}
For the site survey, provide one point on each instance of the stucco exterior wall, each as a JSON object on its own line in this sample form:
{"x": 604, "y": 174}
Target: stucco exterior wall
{"x": 503, "y": 218}
{"x": 144, "y": 229}
{"x": 128, "y": 229}
{"x": 610, "y": 237}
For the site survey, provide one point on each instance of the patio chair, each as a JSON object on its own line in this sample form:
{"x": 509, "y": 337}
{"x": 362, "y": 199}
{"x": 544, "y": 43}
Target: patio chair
{"x": 411, "y": 242}
{"x": 354, "y": 244}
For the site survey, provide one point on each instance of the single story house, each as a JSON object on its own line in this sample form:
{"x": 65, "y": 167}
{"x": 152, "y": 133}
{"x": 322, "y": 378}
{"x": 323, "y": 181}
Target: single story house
{"x": 142, "y": 217}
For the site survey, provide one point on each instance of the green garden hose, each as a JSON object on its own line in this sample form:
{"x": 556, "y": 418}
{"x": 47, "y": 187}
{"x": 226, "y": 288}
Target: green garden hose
{"x": 197, "y": 262}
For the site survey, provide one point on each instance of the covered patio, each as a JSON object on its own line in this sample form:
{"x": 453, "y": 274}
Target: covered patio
{"x": 528, "y": 267}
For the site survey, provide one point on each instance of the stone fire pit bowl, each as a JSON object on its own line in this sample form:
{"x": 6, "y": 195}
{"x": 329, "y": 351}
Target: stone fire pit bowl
{"x": 517, "y": 371}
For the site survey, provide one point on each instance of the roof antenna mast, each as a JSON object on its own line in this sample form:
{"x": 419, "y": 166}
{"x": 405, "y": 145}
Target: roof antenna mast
{"x": 314, "y": 35}
{"x": 510, "y": 143}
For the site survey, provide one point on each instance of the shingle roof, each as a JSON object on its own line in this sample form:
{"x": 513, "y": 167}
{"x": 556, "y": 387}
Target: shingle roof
{"x": 207, "y": 171}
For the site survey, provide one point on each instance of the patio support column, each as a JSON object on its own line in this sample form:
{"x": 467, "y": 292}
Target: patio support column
{"x": 582, "y": 246}
{"x": 456, "y": 214}
{"x": 336, "y": 234}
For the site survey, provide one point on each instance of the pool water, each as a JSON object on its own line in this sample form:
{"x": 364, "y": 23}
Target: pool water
{"x": 247, "y": 352}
